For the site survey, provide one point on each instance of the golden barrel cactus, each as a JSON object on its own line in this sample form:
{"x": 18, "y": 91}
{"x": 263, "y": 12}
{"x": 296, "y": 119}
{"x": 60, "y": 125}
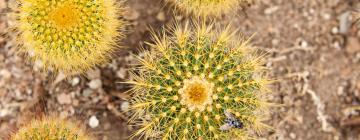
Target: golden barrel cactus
{"x": 50, "y": 128}
{"x": 203, "y": 8}
{"x": 198, "y": 83}
{"x": 68, "y": 35}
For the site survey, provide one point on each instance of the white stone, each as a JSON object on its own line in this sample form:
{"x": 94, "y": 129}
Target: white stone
{"x": 95, "y": 84}
{"x": 64, "y": 98}
{"x": 4, "y": 112}
{"x": 335, "y": 30}
{"x": 75, "y": 81}
{"x": 5, "y": 74}
{"x": 87, "y": 92}
{"x": 93, "y": 122}
{"x": 303, "y": 44}
{"x": 124, "y": 106}
{"x": 344, "y": 22}
{"x": 327, "y": 16}
{"x": 270, "y": 10}
{"x": 292, "y": 135}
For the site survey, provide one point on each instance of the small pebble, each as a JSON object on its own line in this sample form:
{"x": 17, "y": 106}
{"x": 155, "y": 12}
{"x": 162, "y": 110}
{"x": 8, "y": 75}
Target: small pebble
{"x": 303, "y": 44}
{"x": 335, "y": 30}
{"x": 75, "y": 102}
{"x": 344, "y": 22}
{"x": 93, "y": 122}
{"x": 5, "y": 74}
{"x": 340, "y": 90}
{"x": 275, "y": 42}
{"x": 327, "y": 16}
{"x": 161, "y": 16}
{"x": 292, "y": 135}
{"x": 337, "y": 45}
{"x": 4, "y": 112}
{"x": 270, "y": 10}
{"x": 95, "y": 84}
{"x": 64, "y": 98}
{"x": 87, "y": 92}
{"x": 75, "y": 81}
{"x": 124, "y": 106}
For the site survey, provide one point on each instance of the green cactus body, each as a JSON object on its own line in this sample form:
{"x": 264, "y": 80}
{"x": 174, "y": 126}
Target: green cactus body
{"x": 50, "y": 129}
{"x": 193, "y": 82}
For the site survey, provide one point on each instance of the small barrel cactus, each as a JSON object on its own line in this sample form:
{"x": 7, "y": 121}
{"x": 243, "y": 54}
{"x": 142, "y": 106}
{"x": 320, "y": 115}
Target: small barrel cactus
{"x": 68, "y": 35}
{"x": 50, "y": 129}
{"x": 208, "y": 7}
{"x": 198, "y": 83}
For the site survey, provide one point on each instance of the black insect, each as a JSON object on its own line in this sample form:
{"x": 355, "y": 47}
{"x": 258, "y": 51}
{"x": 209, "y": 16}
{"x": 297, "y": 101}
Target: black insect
{"x": 231, "y": 122}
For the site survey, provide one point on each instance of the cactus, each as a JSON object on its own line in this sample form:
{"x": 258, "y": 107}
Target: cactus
{"x": 68, "y": 35}
{"x": 198, "y": 83}
{"x": 205, "y": 8}
{"x": 50, "y": 129}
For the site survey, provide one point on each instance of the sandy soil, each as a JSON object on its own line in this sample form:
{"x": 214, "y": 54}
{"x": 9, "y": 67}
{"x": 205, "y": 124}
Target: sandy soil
{"x": 314, "y": 51}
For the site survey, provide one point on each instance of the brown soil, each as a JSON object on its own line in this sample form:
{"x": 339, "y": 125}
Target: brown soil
{"x": 314, "y": 51}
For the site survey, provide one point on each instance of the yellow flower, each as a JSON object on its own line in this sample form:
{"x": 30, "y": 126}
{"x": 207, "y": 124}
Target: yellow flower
{"x": 204, "y": 69}
{"x": 50, "y": 129}
{"x": 69, "y": 35}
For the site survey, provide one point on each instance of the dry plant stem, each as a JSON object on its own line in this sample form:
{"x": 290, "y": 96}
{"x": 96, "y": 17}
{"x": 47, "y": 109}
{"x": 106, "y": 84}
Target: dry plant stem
{"x": 320, "y": 107}
{"x": 355, "y": 121}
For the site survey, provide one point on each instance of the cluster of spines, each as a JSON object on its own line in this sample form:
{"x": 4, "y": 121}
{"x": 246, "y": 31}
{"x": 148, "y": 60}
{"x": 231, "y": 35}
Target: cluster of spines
{"x": 50, "y": 128}
{"x": 208, "y": 54}
{"x": 205, "y": 8}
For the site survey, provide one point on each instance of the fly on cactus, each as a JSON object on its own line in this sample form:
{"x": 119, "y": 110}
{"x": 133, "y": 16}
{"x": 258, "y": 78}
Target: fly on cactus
{"x": 203, "y": 8}
{"x": 199, "y": 83}
{"x": 50, "y": 128}
{"x": 68, "y": 35}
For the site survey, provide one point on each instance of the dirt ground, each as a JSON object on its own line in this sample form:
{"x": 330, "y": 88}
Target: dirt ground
{"x": 314, "y": 52}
